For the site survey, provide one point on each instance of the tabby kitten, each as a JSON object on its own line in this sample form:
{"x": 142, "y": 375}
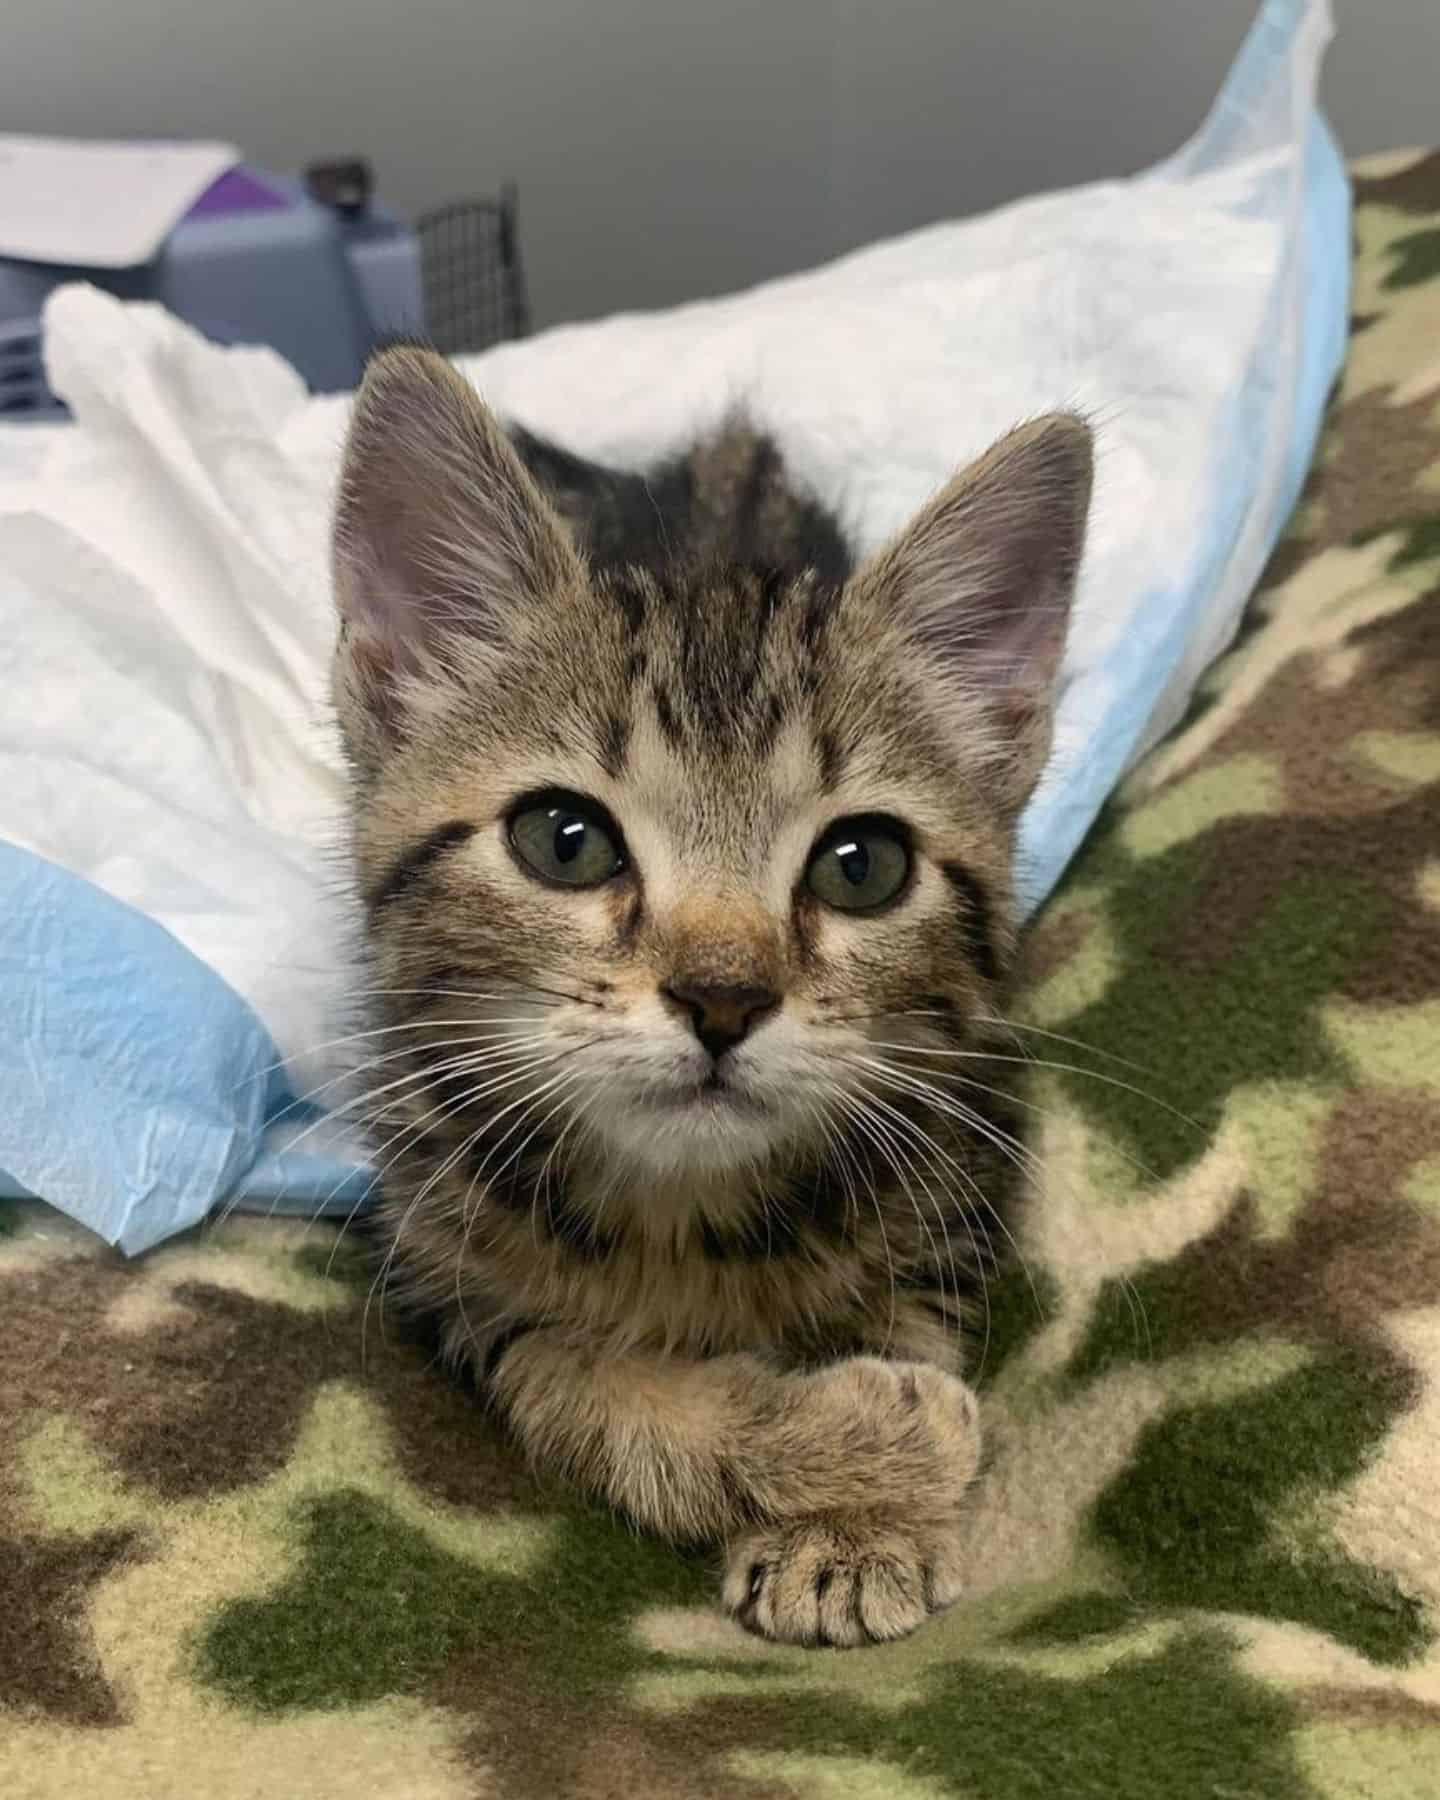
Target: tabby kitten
{"x": 685, "y": 852}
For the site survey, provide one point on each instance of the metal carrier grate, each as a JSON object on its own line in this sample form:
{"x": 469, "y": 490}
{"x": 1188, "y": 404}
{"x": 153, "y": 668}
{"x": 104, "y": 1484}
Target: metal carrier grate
{"x": 472, "y": 276}
{"x": 24, "y": 392}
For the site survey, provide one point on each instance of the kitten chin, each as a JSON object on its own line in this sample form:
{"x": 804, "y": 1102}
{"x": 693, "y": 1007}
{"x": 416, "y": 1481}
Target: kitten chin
{"x": 690, "y": 1135}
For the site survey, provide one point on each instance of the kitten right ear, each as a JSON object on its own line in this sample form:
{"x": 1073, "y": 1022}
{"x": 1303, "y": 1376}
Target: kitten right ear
{"x": 442, "y": 542}
{"x": 982, "y": 581}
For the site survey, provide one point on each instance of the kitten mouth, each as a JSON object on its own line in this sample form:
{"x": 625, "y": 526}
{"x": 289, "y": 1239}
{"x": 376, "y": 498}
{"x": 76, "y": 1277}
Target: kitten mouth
{"x": 713, "y": 1094}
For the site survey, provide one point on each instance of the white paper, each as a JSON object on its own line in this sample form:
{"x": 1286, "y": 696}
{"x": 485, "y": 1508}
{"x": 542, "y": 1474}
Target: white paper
{"x": 102, "y": 204}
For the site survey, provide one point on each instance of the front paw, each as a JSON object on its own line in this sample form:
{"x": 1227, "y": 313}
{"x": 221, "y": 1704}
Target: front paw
{"x": 878, "y": 1436}
{"x": 839, "y": 1579}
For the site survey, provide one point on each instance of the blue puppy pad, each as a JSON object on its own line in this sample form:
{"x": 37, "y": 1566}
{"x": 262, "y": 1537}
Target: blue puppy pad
{"x": 136, "y": 1083}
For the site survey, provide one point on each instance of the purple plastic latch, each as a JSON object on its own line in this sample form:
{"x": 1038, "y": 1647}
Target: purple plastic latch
{"x": 237, "y": 191}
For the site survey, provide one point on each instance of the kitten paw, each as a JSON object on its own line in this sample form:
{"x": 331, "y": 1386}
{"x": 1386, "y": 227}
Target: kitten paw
{"x": 901, "y": 1436}
{"x": 839, "y": 1579}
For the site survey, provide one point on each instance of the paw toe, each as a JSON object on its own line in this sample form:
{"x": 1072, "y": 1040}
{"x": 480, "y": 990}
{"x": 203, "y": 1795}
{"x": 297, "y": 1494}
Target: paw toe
{"x": 834, "y": 1582}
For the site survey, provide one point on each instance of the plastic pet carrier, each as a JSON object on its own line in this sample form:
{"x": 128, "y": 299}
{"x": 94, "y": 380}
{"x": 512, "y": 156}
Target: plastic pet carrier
{"x": 315, "y": 268}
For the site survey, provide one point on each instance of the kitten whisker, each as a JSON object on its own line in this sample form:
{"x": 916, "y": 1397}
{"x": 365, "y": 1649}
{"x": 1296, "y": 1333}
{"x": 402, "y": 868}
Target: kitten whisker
{"x": 376, "y": 1176}
{"x": 309, "y": 1097}
{"x": 860, "y": 1115}
{"x": 417, "y": 1128}
{"x": 844, "y": 1162}
{"x": 894, "y": 1114}
{"x": 466, "y": 1101}
{"x": 1074, "y": 1043}
{"x": 1035, "y": 1167}
{"x": 1014, "y": 1099}
{"x": 308, "y": 1050}
{"x": 326, "y": 1118}
{"x": 579, "y": 1114}
{"x": 513, "y": 987}
{"x": 970, "y": 1121}
{"x": 1032, "y": 1062}
{"x": 413, "y": 1078}
{"x": 514, "y": 1068}
{"x": 469, "y": 1213}
{"x": 494, "y": 1056}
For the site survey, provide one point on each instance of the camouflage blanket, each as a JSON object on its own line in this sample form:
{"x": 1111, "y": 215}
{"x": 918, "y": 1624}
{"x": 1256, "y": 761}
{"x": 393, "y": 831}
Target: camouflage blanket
{"x": 247, "y": 1550}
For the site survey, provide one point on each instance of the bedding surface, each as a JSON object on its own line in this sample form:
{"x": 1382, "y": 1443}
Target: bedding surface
{"x": 251, "y": 1543}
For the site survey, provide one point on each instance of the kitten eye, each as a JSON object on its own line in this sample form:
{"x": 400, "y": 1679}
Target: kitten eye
{"x": 859, "y": 864}
{"x": 568, "y": 840}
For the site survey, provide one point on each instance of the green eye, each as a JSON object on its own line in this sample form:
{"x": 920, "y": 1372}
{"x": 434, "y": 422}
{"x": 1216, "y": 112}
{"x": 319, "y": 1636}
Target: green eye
{"x": 568, "y": 840}
{"x": 859, "y": 864}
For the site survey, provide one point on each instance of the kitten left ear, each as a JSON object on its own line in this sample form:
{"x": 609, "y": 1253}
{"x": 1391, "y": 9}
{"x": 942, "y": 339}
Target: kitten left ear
{"x": 443, "y": 545}
{"x": 983, "y": 581}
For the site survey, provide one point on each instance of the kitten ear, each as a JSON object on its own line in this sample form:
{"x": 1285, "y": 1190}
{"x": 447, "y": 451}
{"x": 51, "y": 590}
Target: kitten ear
{"x": 442, "y": 542}
{"x": 983, "y": 581}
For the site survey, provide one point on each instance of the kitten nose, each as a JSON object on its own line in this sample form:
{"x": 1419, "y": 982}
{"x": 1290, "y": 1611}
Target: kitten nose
{"x": 721, "y": 1015}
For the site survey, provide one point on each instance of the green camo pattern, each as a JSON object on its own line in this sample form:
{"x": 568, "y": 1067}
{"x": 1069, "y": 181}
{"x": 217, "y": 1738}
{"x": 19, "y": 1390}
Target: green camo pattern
{"x": 247, "y": 1549}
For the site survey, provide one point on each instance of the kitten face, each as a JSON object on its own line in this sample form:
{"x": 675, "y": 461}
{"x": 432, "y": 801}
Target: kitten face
{"x": 670, "y": 858}
{"x": 722, "y": 817}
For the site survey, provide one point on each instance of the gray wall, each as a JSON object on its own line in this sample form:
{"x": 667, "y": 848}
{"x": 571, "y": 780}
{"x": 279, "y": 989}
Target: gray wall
{"x": 672, "y": 148}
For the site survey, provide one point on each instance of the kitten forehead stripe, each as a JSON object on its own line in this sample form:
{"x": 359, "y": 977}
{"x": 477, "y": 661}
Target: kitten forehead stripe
{"x": 831, "y": 759}
{"x": 407, "y": 869}
{"x": 614, "y": 736}
{"x": 764, "y": 467}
